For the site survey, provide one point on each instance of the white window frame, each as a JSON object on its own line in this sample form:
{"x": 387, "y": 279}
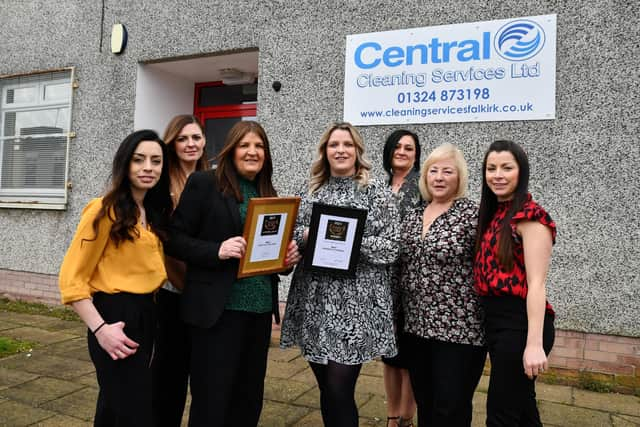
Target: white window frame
{"x": 37, "y": 198}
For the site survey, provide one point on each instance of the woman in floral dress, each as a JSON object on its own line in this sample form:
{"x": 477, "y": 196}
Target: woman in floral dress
{"x": 341, "y": 322}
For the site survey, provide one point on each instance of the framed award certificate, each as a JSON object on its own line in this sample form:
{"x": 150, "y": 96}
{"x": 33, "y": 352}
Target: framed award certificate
{"x": 335, "y": 236}
{"x": 268, "y": 229}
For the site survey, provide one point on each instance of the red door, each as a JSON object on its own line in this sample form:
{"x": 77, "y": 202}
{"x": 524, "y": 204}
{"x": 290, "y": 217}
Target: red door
{"x": 219, "y": 107}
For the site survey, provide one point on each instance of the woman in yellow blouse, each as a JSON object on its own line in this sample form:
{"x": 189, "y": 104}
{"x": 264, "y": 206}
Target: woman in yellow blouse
{"x": 113, "y": 266}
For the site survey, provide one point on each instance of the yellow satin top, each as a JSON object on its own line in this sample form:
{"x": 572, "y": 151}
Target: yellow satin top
{"x": 92, "y": 266}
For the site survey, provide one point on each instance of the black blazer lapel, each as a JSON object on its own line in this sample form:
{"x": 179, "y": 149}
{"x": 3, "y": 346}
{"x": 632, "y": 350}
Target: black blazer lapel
{"x": 234, "y": 213}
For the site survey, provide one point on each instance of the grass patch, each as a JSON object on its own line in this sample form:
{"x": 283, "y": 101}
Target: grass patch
{"x": 9, "y": 346}
{"x": 588, "y": 382}
{"x": 17, "y": 306}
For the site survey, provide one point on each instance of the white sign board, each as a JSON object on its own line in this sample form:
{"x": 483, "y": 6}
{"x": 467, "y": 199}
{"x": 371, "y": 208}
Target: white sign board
{"x": 474, "y": 72}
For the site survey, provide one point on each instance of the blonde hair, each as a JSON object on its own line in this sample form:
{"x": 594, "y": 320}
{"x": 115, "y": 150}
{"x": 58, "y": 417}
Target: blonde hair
{"x": 445, "y": 152}
{"x": 320, "y": 170}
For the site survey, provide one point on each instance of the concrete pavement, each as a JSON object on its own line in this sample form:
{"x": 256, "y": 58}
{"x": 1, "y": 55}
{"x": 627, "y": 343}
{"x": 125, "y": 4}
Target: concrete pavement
{"x": 54, "y": 385}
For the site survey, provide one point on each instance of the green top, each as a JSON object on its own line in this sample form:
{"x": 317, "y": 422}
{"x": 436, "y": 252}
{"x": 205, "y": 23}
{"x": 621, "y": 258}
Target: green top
{"x": 252, "y": 294}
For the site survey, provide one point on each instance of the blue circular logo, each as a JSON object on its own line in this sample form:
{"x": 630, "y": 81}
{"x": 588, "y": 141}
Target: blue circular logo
{"x": 519, "y": 40}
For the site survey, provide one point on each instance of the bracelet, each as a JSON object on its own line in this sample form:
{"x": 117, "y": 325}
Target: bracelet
{"x": 98, "y": 328}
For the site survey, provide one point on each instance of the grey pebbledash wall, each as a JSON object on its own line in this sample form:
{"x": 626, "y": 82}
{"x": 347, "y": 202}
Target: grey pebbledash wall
{"x": 584, "y": 162}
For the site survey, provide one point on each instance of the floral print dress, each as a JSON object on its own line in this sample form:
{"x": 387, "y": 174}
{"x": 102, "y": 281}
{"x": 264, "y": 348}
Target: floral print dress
{"x": 342, "y": 319}
{"x": 438, "y": 296}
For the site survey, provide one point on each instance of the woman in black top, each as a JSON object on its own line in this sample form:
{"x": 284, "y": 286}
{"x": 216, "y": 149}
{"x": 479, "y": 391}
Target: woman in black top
{"x": 229, "y": 318}
{"x": 401, "y": 161}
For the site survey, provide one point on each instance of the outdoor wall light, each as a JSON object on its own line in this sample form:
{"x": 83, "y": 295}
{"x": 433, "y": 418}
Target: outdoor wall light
{"x": 276, "y": 86}
{"x": 118, "y": 38}
{"x": 233, "y": 76}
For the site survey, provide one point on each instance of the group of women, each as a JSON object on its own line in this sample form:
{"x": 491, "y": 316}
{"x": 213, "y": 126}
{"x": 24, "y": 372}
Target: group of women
{"x": 440, "y": 280}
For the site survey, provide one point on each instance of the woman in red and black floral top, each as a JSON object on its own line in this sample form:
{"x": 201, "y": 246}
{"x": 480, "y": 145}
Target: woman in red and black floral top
{"x": 513, "y": 251}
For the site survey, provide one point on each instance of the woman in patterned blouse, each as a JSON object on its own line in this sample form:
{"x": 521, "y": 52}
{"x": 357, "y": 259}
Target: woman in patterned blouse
{"x": 513, "y": 251}
{"x": 401, "y": 161}
{"x": 341, "y": 322}
{"x": 443, "y": 320}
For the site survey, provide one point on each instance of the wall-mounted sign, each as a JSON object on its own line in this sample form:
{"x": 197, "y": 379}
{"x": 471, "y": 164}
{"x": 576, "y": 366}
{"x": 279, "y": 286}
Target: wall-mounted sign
{"x": 474, "y": 72}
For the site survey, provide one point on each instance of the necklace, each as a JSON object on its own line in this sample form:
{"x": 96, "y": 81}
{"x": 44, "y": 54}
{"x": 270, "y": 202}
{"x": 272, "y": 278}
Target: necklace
{"x": 143, "y": 217}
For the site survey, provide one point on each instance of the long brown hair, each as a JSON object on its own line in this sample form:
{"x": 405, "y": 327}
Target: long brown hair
{"x": 226, "y": 172}
{"x": 177, "y": 177}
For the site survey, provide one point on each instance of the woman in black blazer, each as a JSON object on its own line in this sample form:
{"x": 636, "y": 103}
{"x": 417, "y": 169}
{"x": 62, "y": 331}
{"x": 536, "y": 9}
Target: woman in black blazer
{"x": 229, "y": 318}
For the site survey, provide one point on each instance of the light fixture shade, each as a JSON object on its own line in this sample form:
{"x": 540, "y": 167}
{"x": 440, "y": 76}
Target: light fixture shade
{"x": 233, "y": 76}
{"x": 118, "y": 38}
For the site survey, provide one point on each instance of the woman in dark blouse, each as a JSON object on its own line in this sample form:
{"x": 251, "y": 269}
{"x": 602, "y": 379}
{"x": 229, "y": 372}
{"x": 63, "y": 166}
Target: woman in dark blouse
{"x": 513, "y": 251}
{"x": 229, "y": 318}
{"x": 443, "y": 320}
{"x": 401, "y": 161}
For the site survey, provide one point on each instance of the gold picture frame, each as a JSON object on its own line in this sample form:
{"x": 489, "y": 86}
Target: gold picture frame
{"x": 268, "y": 229}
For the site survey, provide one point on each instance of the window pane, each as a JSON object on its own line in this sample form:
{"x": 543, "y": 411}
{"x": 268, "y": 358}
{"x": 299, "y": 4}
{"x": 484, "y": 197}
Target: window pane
{"x": 21, "y": 95}
{"x": 59, "y": 92}
{"x": 35, "y": 115}
{"x": 40, "y": 122}
{"x": 223, "y": 95}
{"x": 33, "y": 163}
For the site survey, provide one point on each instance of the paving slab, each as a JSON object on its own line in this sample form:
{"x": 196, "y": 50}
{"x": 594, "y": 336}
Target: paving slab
{"x": 45, "y": 365}
{"x": 40, "y": 390}
{"x": 483, "y": 384}
{"x": 77, "y": 354}
{"x": 57, "y": 380}
{"x": 311, "y": 399}
{"x": 625, "y": 421}
{"x": 76, "y": 343}
{"x": 283, "y": 355}
{"x": 4, "y": 325}
{"x": 276, "y": 414}
{"x": 80, "y": 404}
{"x": 370, "y": 385}
{"x": 305, "y": 376}
{"x": 16, "y": 414}
{"x": 45, "y": 322}
{"x": 554, "y": 393}
{"x": 11, "y": 377}
{"x": 53, "y": 324}
{"x": 611, "y": 402}
{"x": 63, "y": 421}
{"x": 479, "y": 415}
{"x": 375, "y": 407}
{"x": 571, "y": 416}
{"x": 374, "y": 368}
{"x": 372, "y": 422}
{"x": 284, "y": 391}
{"x": 37, "y": 335}
{"x": 285, "y": 370}
{"x": 88, "y": 379}
{"x": 312, "y": 419}
{"x": 79, "y": 330}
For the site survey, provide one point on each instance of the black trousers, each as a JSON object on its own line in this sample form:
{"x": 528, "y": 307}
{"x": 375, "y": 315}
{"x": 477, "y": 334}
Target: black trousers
{"x": 124, "y": 398}
{"x": 444, "y": 377}
{"x": 171, "y": 361}
{"x": 228, "y": 366}
{"x": 511, "y": 400}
